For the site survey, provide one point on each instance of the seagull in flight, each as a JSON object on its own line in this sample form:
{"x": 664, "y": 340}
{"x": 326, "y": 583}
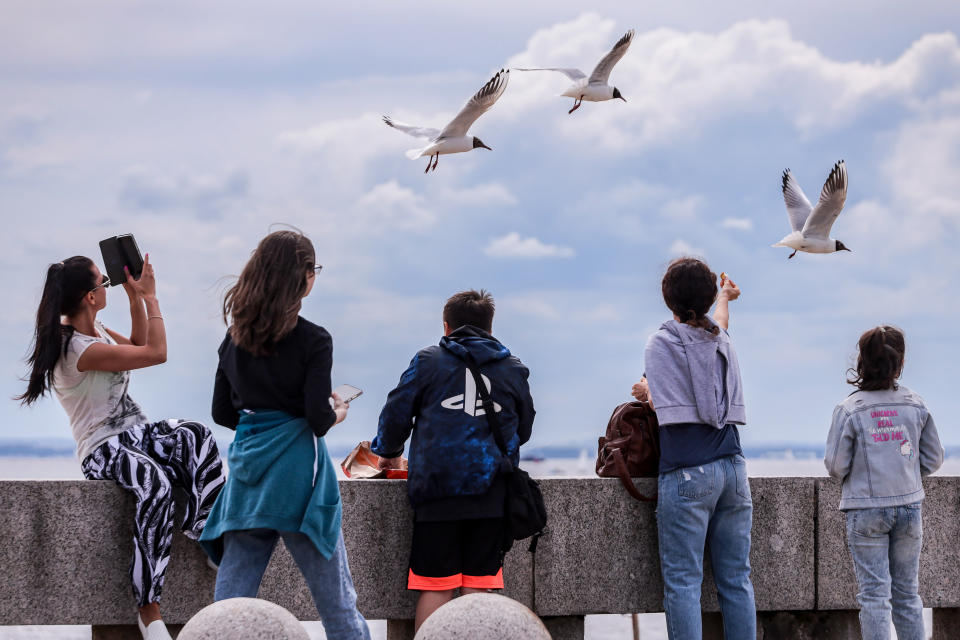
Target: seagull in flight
{"x": 811, "y": 225}
{"x": 454, "y": 138}
{"x": 594, "y": 88}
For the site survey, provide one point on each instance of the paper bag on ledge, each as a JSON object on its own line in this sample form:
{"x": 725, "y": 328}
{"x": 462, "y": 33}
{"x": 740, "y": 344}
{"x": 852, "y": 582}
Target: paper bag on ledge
{"x": 364, "y": 463}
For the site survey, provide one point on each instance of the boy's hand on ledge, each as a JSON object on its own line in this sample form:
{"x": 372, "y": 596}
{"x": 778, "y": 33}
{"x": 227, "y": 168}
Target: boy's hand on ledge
{"x": 391, "y": 463}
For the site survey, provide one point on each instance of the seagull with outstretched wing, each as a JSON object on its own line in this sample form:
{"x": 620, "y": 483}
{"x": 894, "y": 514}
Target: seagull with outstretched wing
{"x": 593, "y": 88}
{"x": 453, "y": 138}
{"x": 811, "y": 225}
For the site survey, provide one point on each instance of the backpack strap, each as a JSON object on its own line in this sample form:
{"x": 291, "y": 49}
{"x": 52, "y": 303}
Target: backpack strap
{"x": 488, "y": 408}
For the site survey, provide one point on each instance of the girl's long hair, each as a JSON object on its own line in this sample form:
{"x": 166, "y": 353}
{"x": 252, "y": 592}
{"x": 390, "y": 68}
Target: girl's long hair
{"x": 689, "y": 290}
{"x": 263, "y": 305}
{"x": 66, "y": 284}
{"x": 880, "y": 359}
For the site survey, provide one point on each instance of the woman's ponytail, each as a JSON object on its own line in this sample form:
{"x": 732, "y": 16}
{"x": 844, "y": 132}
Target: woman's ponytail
{"x": 689, "y": 290}
{"x": 66, "y": 284}
{"x": 880, "y": 359}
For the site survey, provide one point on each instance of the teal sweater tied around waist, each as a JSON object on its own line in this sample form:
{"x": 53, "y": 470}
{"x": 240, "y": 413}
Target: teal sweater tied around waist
{"x": 272, "y": 485}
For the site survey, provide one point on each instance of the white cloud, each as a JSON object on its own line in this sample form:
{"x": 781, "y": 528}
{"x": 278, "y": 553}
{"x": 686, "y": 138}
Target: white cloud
{"x": 677, "y": 83}
{"x": 485, "y": 195}
{"x": 204, "y": 195}
{"x": 682, "y": 209}
{"x": 513, "y": 245}
{"x": 680, "y": 247}
{"x": 924, "y": 192}
{"x": 741, "y": 224}
{"x": 392, "y": 206}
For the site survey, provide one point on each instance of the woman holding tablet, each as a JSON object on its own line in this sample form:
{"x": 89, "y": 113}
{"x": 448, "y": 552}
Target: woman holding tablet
{"x": 88, "y": 368}
{"x": 273, "y": 387}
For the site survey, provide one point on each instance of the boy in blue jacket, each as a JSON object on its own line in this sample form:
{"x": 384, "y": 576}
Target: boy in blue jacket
{"x": 454, "y": 484}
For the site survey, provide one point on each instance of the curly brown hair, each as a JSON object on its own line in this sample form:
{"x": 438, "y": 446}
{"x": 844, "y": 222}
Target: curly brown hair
{"x": 880, "y": 359}
{"x": 263, "y": 305}
{"x": 689, "y": 290}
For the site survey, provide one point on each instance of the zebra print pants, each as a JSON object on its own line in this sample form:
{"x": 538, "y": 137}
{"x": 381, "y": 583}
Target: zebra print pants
{"x": 149, "y": 460}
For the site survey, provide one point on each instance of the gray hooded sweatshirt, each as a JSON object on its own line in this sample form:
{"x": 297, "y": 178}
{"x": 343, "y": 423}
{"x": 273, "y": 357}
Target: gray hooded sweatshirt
{"x": 694, "y": 376}
{"x": 880, "y": 444}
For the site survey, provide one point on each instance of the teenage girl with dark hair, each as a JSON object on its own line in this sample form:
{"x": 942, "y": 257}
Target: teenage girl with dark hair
{"x": 88, "y": 368}
{"x": 273, "y": 388}
{"x": 882, "y": 442}
{"x": 695, "y": 388}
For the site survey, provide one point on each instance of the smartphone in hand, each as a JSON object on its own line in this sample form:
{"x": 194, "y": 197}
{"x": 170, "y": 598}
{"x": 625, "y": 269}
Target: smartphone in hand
{"x": 348, "y": 392}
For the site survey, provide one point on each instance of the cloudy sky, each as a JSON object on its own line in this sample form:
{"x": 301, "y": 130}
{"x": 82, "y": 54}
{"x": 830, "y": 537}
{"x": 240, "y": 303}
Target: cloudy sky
{"x": 198, "y": 125}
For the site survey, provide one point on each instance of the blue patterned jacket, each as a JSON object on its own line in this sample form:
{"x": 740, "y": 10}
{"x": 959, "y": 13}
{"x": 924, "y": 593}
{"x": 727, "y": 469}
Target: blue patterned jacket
{"x": 452, "y": 451}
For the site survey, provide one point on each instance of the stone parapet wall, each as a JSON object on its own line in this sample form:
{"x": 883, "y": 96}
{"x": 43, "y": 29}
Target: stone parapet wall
{"x": 65, "y": 548}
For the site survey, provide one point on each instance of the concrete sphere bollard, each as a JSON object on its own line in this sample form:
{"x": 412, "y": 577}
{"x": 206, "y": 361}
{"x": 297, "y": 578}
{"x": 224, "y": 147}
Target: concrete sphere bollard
{"x": 482, "y": 616}
{"x": 243, "y": 619}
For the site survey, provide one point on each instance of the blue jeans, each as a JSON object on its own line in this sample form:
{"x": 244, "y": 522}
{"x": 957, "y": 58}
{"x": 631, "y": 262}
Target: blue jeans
{"x": 709, "y": 503}
{"x": 245, "y": 557}
{"x": 885, "y": 546}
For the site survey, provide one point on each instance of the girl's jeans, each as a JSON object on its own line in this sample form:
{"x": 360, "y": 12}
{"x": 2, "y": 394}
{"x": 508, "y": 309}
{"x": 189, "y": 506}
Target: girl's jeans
{"x": 245, "y": 557}
{"x": 709, "y": 503}
{"x": 885, "y": 545}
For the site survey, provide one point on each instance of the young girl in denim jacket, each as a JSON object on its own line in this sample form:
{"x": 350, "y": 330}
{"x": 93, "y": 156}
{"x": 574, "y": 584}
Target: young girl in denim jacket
{"x": 882, "y": 441}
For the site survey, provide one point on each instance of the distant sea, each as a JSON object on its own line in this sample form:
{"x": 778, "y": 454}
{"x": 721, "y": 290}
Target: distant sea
{"x": 56, "y": 460}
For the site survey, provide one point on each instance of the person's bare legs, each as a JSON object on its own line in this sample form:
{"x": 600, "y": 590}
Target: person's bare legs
{"x": 429, "y": 602}
{"x": 150, "y": 613}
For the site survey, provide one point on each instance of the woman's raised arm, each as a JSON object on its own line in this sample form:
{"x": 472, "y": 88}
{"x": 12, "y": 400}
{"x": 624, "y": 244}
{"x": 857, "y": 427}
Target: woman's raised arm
{"x": 147, "y": 345}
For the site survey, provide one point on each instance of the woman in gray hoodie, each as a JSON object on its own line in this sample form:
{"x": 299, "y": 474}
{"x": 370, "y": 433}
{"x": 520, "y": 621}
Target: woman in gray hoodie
{"x": 882, "y": 441}
{"x": 695, "y": 388}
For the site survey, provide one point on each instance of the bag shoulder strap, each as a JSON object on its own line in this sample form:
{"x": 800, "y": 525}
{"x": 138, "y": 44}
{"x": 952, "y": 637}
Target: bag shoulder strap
{"x": 625, "y": 479}
{"x": 487, "y": 402}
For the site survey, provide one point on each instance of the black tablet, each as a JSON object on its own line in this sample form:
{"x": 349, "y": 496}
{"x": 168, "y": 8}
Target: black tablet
{"x": 118, "y": 252}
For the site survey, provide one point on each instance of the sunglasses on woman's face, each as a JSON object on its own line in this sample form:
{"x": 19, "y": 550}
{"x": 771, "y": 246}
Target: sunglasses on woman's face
{"x": 105, "y": 282}
{"x": 317, "y": 268}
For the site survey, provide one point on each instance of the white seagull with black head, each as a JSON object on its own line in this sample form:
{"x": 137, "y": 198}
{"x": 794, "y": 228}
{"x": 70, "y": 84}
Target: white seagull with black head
{"x": 811, "y": 225}
{"x": 594, "y": 88}
{"x": 454, "y": 138}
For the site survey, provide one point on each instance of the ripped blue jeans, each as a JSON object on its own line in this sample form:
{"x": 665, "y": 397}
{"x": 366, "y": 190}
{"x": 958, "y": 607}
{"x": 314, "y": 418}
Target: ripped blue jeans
{"x": 885, "y": 545}
{"x": 708, "y": 503}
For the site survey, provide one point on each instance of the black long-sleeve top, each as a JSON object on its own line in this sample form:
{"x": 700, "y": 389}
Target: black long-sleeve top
{"x": 295, "y": 378}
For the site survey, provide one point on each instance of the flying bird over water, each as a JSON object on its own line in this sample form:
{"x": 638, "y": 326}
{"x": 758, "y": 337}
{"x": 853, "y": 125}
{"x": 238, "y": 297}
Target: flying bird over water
{"x": 811, "y": 225}
{"x": 594, "y": 88}
{"x": 453, "y": 138}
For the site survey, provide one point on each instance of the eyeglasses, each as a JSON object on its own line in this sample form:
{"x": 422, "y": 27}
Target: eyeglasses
{"x": 103, "y": 283}
{"x": 317, "y": 268}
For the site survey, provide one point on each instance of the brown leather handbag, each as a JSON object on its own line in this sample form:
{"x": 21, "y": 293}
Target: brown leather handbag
{"x": 631, "y": 448}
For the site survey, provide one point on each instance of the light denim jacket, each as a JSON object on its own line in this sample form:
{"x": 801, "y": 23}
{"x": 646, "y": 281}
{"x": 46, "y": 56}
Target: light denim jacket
{"x": 694, "y": 376}
{"x": 880, "y": 444}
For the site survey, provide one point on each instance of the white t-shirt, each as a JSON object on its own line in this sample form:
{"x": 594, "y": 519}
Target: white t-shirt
{"x": 96, "y": 401}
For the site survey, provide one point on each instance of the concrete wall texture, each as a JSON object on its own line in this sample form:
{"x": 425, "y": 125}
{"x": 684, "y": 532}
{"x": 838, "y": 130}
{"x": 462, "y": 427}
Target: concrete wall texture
{"x": 65, "y": 548}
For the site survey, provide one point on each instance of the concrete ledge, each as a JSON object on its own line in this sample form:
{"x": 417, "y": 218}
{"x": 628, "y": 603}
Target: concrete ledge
{"x": 65, "y": 548}
{"x": 601, "y": 554}
{"x": 939, "y": 560}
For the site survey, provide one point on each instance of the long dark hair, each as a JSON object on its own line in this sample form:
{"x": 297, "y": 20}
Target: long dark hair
{"x": 263, "y": 305}
{"x": 66, "y": 284}
{"x": 880, "y": 359}
{"x": 689, "y": 289}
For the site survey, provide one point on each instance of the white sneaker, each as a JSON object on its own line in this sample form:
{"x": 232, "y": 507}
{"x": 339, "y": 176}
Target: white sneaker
{"x": 156, "y": 630}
